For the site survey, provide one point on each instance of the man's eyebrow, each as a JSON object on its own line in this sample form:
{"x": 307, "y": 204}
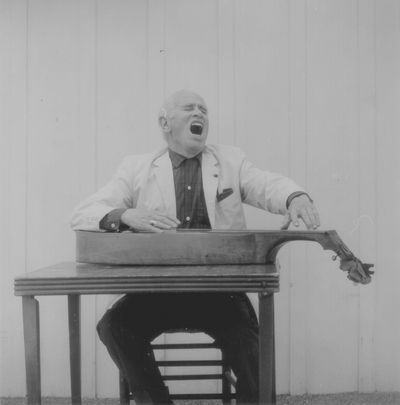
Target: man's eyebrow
{"x": 191, "y": 105}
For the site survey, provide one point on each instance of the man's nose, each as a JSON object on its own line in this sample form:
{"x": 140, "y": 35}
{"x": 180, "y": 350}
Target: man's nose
{"x": 197, "y": 112}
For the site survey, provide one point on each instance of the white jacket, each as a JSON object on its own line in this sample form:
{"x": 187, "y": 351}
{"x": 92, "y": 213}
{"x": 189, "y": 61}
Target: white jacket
{"x": 146, "y": 182}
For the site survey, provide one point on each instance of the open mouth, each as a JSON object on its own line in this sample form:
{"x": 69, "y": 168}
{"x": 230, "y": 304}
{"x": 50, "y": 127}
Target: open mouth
{"x": 196, "y": 128}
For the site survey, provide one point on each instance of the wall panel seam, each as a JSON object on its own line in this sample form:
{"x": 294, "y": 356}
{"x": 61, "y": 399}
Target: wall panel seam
{"x": 26, "y": 131}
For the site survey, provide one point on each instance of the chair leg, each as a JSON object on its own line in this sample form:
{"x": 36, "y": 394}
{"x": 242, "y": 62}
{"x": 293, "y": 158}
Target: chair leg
{"x": 124, "y": 394}
{"x": 226, "y": 381}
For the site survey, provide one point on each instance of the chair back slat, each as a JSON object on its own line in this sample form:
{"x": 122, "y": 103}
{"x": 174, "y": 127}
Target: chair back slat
{"x": 225, "y": 376}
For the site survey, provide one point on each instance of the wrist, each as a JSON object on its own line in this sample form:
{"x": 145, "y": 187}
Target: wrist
{"x": 113, "y": 221}
{"x": 295, "y": 195}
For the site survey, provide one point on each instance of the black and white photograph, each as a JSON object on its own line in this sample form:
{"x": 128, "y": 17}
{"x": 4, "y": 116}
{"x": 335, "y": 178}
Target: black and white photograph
{"x": 201, "y": 202}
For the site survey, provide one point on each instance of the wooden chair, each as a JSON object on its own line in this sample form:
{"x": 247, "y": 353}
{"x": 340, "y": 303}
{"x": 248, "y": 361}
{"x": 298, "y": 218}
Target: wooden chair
{"x": 227, "y": 379}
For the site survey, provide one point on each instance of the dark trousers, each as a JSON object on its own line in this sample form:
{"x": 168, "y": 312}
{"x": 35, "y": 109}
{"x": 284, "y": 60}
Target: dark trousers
{"x": 136, "y": 319}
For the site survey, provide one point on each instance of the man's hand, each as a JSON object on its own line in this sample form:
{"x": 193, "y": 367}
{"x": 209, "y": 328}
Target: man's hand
{"x": 150, "y": 221}
{"x": 301, "y": 207}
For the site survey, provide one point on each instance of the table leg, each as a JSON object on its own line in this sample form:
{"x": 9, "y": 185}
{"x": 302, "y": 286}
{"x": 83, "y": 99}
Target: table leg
{"x": 30, "y": 312}
{"x": 267, "y": 350}
{"x": 74, "y": 319}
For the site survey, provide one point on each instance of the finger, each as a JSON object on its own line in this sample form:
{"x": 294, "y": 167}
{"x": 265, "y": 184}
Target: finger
{"x": 162, "y": 225}
{"x": 286, "y": 222}
{"x": 152, "y": 228}
{"x": 170, "y": 222}
{"x": 294, "y": 217}
{"x": 175, "y": 221}
{"x": 314, "y": 217}
{"x": 311, "y": 218}
{"x": 304, "y": 214}
{"x": 172, "y": 219}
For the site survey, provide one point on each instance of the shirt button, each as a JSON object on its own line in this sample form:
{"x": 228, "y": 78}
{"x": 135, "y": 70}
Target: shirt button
{"x": 187, "y": 218}
{"x": 189, "y": 188}
{"x": 215, "y": 175}
{"x": 112, "y": 225}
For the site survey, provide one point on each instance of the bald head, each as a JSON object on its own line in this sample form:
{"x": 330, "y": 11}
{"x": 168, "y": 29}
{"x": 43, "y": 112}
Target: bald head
{"x": 171, "y": 102}
{"x": 183, "y": 119}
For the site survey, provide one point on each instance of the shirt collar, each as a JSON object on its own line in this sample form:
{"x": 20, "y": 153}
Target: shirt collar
{"x": 177, "y": 159}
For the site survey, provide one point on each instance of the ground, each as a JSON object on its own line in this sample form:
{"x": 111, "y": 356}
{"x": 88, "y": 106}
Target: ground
{"x": 352, "y": 398}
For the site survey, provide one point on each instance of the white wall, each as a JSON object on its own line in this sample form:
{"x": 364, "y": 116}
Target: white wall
{"x": 310, "y": 89}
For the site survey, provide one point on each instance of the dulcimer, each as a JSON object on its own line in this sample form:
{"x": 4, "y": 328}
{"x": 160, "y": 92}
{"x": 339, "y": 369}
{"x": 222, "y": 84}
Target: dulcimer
{"x": 205, "y": 247}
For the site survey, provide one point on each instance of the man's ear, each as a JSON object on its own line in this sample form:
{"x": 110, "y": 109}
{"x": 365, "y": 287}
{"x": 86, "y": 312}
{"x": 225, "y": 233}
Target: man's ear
{"x": 164, "y": 124}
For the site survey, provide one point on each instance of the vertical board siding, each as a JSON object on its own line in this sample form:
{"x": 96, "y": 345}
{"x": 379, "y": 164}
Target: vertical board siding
{"x": 367, "y": 189}
{"x": 86, "y": 162}
{"x": 387, "y": 18}
{"x": 156, "y": 69}
{"x": 122, "y": 119}
{"x": 226, "y": 73}
{"x": 13, "y": 133}
{"x": 307, "y": 88}
{"x": 331, "y": 168}
{"x": 296, "y": 317}
{"x": 53, "y": 126}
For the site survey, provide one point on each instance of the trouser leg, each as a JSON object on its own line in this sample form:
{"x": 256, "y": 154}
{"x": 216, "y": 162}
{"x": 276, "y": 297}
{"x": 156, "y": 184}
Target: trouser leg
{"x": 132, "y": 353}
{"x": 230, "y": 319}
{"x": 239, "y": 344}
{"x": 128, "y": 328}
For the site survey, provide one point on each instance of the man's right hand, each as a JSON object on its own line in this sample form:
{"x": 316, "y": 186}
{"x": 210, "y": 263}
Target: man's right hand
{"x": 150, "y": 221}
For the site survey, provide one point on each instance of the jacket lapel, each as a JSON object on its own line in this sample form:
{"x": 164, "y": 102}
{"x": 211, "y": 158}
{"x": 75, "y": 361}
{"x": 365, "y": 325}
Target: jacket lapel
{"x": 165, "y": 180}
{"x": 210, "y": 172}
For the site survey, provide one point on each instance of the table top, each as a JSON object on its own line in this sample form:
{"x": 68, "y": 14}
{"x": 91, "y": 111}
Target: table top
{"x": 78, "y": 278}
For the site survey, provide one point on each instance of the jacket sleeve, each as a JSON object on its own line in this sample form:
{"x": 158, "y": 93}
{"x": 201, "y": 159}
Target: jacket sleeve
{"x": 263, "y": 189}
{"x": 116, "y": 194}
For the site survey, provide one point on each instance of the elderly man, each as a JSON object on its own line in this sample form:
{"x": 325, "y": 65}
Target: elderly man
{"x": 187, "y": 185}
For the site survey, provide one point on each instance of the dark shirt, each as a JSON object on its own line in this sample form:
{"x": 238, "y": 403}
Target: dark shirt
{"x": 191, "y": 209}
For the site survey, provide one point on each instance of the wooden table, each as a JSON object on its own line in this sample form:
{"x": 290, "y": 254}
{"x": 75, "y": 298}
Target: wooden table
{"x": 75, "y": 279}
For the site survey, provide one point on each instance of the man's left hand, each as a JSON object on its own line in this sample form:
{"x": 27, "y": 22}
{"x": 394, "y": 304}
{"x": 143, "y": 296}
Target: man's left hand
{"x": 301, "y": 207}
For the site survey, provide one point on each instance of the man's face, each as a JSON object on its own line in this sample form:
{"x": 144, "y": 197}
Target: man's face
{"x": 188, "y": 124}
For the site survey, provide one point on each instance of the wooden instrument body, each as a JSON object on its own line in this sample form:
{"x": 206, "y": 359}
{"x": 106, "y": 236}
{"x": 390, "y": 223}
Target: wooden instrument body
{"x": 196, "y": 247}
